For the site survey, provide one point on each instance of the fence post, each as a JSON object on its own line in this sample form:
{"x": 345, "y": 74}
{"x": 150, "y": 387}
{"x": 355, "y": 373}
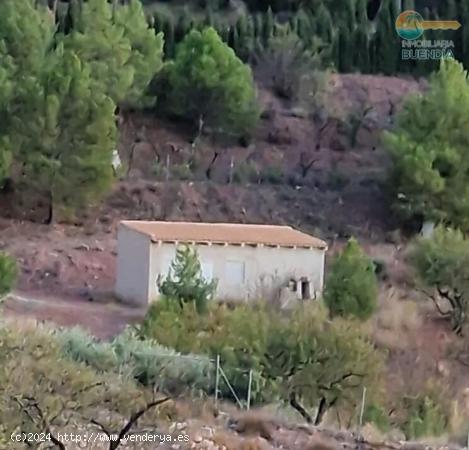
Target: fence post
{"x": 217, "y": 380}
{"x": 233, "y": 392}
{"x": 362, "y": 411}
{"x": 467, "y": 441}
{"x": 248, "y": 406}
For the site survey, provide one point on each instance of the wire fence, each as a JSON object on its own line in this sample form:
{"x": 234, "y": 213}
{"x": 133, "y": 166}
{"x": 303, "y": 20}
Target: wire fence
{"x": 221, "y": 377}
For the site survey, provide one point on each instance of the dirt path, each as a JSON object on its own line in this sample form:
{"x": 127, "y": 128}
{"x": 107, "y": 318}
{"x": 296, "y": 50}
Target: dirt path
{"x": 104, "y": 320}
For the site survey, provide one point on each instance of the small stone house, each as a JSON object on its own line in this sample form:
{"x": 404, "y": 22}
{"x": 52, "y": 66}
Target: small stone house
{"x": 250, "y": 262}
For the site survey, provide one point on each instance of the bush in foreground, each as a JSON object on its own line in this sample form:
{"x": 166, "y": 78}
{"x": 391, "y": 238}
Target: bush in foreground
{"x": 238, "y": 336}
{"x": 145, "y": 361}
{"x": 305, "y": 360}
{"x": 43, "y": 391}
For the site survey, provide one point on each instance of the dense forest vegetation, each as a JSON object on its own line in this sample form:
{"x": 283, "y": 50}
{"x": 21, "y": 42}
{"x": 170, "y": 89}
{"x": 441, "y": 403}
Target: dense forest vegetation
{"x": 354, "y": 35}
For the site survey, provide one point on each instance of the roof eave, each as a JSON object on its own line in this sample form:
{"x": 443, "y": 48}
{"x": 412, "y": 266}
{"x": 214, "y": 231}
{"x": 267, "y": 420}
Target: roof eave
{"x": 155, "y": 240}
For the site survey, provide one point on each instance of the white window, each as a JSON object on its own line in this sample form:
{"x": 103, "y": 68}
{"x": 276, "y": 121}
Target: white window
{"x": 207, "y": 270}
{"x": 235, "y": 272}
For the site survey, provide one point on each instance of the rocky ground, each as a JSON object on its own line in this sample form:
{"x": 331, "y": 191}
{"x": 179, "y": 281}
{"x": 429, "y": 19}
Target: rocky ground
{"x": 251, "y": 431}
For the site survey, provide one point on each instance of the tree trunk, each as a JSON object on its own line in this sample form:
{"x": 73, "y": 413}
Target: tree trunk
{"x": 298, "y": 407}
{"x": 322, "y": 408}
{"x": 208, "y": 172}
{"x": 50, "y": 215}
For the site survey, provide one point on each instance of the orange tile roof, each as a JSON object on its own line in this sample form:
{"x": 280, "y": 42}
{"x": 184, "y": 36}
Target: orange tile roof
{"x": 225, "y": 233}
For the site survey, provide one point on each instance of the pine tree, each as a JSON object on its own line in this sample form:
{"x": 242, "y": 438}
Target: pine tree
{"x": 146, "y": 57}
{"x": 386, "y": 45}
{"x": 210, "y": 84}
{"x": 121, "y": 48}
{"x": 259, "y": 26}
{"x": 352, "y": 286}
{"x": 430, "y": 175}
{"x": 324, "y": 26}
{"x": 241, "y": 32}
{"x": 305, "y": 29}
{"x": 26, "y": 34}
{"x": 346, "y": 50}
{"x": 234, "y": 42}
{"x": 70, "y": 143}
{"x": 362, "y": 50}
{"x": 269, "y": 23}
{"x": 185, "y": 282}
{"x": 361, "y": 14}
{"x": 464, "y": 7}
{"x": 169, "y": 39}
{"x": 349, "y": 15}
{"x": 209, "y": 20}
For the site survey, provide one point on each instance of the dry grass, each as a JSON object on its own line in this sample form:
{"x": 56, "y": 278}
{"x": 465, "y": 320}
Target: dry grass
{"x": 397, "y": 321}
{"x": 458, "y": 422}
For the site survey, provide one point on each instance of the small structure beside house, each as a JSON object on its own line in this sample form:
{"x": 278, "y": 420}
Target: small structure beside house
{"x": 250, "y": 262}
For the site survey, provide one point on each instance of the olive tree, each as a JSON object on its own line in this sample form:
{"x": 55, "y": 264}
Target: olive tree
{"x": 322, "y": 364}
{"x": 442, "y": 265}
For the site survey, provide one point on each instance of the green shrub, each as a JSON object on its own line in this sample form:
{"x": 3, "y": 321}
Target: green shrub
{"x": 352, "y": 286}
{"x": 237, "y": 336}
{"x": 8, "y": 273}
{"x": 143, "y": 360}
{"x": 82, "y": 347}
{"x": 272, "y": 174}
{"x": 181, "y": 172}
{"x": 154, "y": 365}
{"x": 288, "y": 65}
{"x": 246, "y": 172}
{"x": 376, "y": 415}
{"x": 209, "y": 85}
{"x": 159, "y": 170}
{"x": 185, "y": 282}
{"x": 337, "y": 180}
